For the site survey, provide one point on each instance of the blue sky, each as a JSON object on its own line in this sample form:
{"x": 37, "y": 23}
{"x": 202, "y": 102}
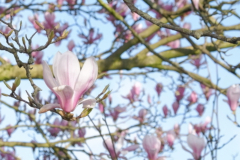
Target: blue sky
{"x": 228, "y": 129}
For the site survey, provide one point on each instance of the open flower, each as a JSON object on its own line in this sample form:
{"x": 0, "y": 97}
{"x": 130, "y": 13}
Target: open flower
{"x": 197, "y": 144}
{"x": 69, "y": 83}
{"x": 152, "y": 146}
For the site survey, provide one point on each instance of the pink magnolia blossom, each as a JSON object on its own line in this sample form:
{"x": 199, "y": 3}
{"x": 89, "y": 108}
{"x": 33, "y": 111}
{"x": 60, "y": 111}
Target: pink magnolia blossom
{"x": 69, "y": 83}
{"x": 110, "y": 98}
{"x": 10, "y": 130}
{"x": 200, "y": 109}
{"x": 37, "y": 55}
{"x": 60, "y": 2}
{"x": 64, "y": 122}
{"x": 197, "y": 144}
{"x": 135, "y": 16}
{"x": 174, "y": 44}
{"x": 177, "y": 128}
{"x": 71, "y": 45}
{"x": 197, "y": 61}
{"x": 134, "y": 92}
{"x": 170, "y": 137}
{"x": 206, "y": 91}
{"x": 122, "y": 9}
{"x": 82, "y": 132}
{"x": 5, "y": 30}
{"x": 193, "y": 98}
{"x": 187, "y": 25}
{"x": 49, "y": 20}
{"x": 179, "y": 93}
{"x": 118, "y": 146}
{"x": 116, "y": 111}
{"x": 202, "y": 127}
{"x": 180, "y": 3}
{"x": 136, "y": 89}
{"x": 138, "y": 27}
{"x": 149, "y": 99}
{"x": 101, "y": 107}
{"x": 233, "y": 95}
{"x": 89, "y": 39}
{"x": 151, "y": 145}
{"x": 71, "y": 3}
{"x": 175, "y": 107}
{"x": 32, "y": 20}
{"x": 196, "y": 4}
{"x": 165, "y": 110}
{"x": 8, "y": 155}
{"x": 159, "y": 88}
{"x": 55, "y": 130}
{"x": 141, "y": 115}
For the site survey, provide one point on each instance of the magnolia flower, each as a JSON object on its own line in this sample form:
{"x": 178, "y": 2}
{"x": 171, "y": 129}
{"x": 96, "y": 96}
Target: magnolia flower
{"x": 193, "y": 97}
{"x": 196, "y": 4}
{"x": 187, "y": 25}
{"x": 233, "y": 95}
{"x": 179, "y": 93}
{"x": 55, "y": 130}
{"x": 200, "y": 109}
{"x": 141, "y": 115}
{"x": 115, "y": 149}
{"x": 114, "y": 113}
{"x": 165, "y": 110}
{"x": 206, "y": 90}
{"x": 10, "y": 130}
{"x": 202, "y": 127}
{"x": 152, "y": 146}
{"x": 71, "y": 45}
{"x": 136, "y": 89}
{"x": 175, "y": 107}
{"x": 197, "y": 144}
{"x": 159, "y": 88}
{"x": 170, "y": 137}
{"x": 69, "y": 83}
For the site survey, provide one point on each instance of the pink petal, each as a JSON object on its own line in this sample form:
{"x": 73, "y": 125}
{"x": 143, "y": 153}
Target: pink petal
{"x": 48, "y": 77}
{"x": 131, "y": 148}
{"x": 55, "y": 65}
{"x": 197, "y": 144}
{"x": 68, "y": 73}
{"x": 48, "y": 107}
{"x": 65, "y": 94}
{"x": 87, "y": 77}
{"x": 88, "y": 103}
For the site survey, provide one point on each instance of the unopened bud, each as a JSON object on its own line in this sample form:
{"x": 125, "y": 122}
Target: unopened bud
{"x": 106, "y": 95}
{"x": 5, "y": 94}
{"x": 64, "y": 34}
{"x": 17, "y": 81}
{"x": 14, "y": 87}
{"x": 30, "y": 100}
{"x": 85, "y": 112}
{"x": 7, "y": 85}
{"x": 23, "y": 40}
{"x": 50, "y": 37}
{"x": 9, "y": 34}
{"x": 17, "y": 10}
{"x": 105, "y": 89}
